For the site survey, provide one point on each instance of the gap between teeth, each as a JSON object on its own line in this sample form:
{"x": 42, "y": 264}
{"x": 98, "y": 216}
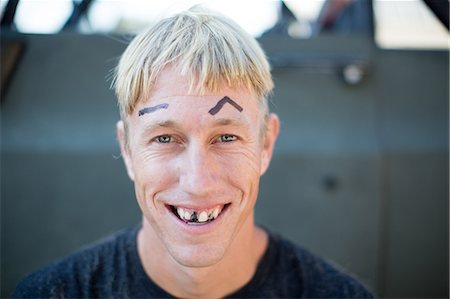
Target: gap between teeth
{"x": 200, "y": 217}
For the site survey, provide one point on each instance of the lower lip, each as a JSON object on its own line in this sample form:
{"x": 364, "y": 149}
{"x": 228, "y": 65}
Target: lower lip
{"x": 196, "y": 228}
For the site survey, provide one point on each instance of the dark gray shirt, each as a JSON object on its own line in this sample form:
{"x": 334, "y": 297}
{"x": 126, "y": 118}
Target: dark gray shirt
{"x": 112, "y": 268}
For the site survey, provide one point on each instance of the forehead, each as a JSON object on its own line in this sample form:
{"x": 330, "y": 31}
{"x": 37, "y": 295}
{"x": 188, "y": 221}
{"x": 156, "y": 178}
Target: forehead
{"x": 197, "y": 110}
{"x": 170, "y": 82}
{"x": 171, "y": 96}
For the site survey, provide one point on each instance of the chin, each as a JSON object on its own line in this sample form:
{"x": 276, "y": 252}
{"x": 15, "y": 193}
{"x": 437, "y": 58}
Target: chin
{"x": 199, "y": 255}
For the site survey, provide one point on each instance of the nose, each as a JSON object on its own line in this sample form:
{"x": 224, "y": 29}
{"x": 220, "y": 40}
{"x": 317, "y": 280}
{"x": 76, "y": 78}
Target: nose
{"x": 198, "y": 173}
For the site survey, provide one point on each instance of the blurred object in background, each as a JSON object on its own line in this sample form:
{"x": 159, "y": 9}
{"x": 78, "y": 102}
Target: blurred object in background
{"x": 399, "y": 24}
{"x": 410, "y": 24}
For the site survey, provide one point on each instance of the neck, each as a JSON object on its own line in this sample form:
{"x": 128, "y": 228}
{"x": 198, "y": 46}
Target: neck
{"x": 214, "y": 281}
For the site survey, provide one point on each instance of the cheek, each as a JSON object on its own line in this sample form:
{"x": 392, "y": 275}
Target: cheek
{"x": 242, "y": 168}
{"x": 151, "y": 176}
{"x": 246, "y": 160}
{"x": 243, "y": 174}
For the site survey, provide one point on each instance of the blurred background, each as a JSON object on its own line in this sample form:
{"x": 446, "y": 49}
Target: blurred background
{"x": 360, "y": 172}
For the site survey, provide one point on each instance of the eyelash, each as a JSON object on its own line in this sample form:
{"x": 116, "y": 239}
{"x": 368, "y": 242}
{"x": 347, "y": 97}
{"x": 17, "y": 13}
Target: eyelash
{"x": 225, "y": 138}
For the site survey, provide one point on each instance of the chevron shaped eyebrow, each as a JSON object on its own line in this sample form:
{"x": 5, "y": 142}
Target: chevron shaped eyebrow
{"x": 153, "y": 108}
{"x": 222, "y": 102}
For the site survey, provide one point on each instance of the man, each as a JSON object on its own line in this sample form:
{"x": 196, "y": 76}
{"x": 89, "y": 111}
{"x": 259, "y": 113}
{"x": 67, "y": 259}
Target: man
{"x": 196, "y": 136}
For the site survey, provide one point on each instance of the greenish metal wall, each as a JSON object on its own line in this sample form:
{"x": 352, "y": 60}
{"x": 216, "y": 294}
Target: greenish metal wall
{"x": 382, "y": 143}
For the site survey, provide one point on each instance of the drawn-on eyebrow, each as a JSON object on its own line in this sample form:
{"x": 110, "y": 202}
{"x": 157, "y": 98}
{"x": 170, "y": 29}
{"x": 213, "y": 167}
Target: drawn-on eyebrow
{"x": 153, "y": 109}
{"x": 222, "y": 102}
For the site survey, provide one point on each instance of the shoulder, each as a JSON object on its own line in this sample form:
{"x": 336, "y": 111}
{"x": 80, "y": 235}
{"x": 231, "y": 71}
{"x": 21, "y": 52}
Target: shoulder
{"x": 80, "y": 274}
{"x": 319, "y": 278}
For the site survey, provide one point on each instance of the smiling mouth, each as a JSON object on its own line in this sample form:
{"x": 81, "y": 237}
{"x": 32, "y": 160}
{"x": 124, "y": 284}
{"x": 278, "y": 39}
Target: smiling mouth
{"x": 198, "y": 217}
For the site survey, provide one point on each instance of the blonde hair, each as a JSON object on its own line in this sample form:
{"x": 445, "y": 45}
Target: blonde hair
{"x": 205, "y": 46}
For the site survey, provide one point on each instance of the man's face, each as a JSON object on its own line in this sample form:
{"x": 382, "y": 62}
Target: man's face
{"x": 196, "y": 162}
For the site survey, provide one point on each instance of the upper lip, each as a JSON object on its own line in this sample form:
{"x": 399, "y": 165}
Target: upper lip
{"x": 197, "y": 207}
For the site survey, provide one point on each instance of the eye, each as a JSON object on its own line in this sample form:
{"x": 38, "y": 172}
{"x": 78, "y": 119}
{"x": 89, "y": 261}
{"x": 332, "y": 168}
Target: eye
{"x": 164, "y": 139}
{"x": 227, "y": 138}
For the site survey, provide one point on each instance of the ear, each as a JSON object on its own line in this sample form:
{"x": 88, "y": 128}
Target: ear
{"x": 272, "y": 129}
{"x": 124, "y": 149}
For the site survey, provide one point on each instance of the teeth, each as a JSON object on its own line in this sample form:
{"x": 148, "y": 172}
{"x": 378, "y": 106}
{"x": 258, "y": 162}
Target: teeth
{"x": 202, "y": 217}
{"x": 180, "y": 212}
{"x": 215, "y": 213}
{"x": 197, "y": 216}
{"x": 194, "y": 217}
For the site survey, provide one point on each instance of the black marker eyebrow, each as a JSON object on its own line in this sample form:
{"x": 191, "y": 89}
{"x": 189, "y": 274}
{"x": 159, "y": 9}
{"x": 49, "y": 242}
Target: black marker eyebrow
{"x": 222, "y": 102}
{"x": 153, "y": 109}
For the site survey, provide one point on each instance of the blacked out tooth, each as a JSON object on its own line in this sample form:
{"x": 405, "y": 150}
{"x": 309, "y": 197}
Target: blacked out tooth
{"x": 194, "y": 216}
